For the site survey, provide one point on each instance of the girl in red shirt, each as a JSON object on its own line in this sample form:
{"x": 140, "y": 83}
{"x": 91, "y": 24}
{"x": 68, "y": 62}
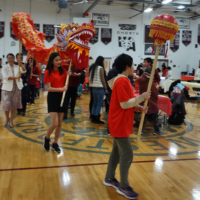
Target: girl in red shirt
{"x": 120, "y": 120}
{"x": 136, "y": 83}
{"x": 164, "y": 71}
{"x": 54, "y": 78}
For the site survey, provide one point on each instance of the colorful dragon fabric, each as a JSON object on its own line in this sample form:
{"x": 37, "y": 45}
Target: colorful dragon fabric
{"x": 72, "y": 40}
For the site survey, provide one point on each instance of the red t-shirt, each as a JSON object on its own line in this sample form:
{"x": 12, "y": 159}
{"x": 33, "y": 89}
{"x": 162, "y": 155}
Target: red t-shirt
{"x": 56, "y": 80}
{"x": 33, "y": 80}
{"x": 74, "y": 81}
{"x": 137, "y": 85}
{"x": 121, "y": 120}
{"x": 37, "y": 83}
{"x": 165, "y": 72}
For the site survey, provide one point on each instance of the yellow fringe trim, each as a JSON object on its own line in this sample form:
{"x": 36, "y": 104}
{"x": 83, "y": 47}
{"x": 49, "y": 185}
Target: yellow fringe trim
{"x": 161, "y": 35}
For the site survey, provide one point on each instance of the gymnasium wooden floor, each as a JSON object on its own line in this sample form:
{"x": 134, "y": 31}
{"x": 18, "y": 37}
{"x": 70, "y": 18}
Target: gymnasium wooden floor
{"x": 165, "y": 167}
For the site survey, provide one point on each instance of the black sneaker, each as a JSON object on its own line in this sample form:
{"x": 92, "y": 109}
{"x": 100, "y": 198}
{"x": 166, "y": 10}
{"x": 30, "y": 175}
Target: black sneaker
{"x": 72, "y": 114}
{"x": 19, "y": 113}
{"x": 157, "y": 132}
{"x": 23, "y": 114}
{"x": 46, "y": 144}
{"x": 127, "y": 192}
{"x": 113, "y": 183}
{"x": 55, "y": 147}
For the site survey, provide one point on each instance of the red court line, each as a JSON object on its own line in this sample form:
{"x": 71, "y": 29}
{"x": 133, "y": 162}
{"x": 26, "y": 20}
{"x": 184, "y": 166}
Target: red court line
{"x": 91, "y": 164}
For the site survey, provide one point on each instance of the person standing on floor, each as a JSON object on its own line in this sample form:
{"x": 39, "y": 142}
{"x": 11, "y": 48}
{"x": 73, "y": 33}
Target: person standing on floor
{"x": 11, "y": 89}
{"x": 120, "y": 119}
{"x": 43, "y": 68}
{"x": 152, "y": 113}
{"x": 74, "y": 82}
{"x": 54, "y": 78}
{"x": 111, "y": 74}
{"x": 148, "y": 62}
{"x": 32, "y": 78}
{"x": 98, "y": 85}
{"x": 25, "y": 90}
{"x": 169, "y": 73}
{"x": 164, "y": 70}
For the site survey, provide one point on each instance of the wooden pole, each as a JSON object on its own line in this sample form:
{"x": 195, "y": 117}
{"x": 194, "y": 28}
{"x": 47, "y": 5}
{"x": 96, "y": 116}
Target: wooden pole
{"x": 66, "y": 84}
{"x": 19, "y": 56}
{"x": 148, "y": 89}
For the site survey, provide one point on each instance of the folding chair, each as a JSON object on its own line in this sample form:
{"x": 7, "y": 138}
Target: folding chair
{"x": 197, "y": 95}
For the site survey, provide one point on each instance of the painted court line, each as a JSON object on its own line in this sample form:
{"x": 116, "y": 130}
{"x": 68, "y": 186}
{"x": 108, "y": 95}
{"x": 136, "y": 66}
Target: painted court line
{"x": 92, "y": 164}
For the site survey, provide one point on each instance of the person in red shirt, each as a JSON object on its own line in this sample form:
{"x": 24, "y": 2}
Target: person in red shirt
{"x": 54, "y": 78}
{"x": 74, "y": 82}
{"x": 32, "y": 78}
{"x": 136, "y": 83}
{"x": 148, "y": 62}
{"x": 120, "y": 120}
{"x": 164, "y": 70}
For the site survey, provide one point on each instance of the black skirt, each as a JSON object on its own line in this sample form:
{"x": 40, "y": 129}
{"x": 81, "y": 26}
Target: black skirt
{"x": 54, "y": 101}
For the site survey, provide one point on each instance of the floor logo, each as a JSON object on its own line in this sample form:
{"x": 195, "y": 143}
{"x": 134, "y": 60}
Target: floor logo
{"x": 79, "y": 134}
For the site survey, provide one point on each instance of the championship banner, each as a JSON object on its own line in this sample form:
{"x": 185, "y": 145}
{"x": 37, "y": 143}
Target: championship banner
{"x": 49, "y": 30}
{"x": 37, "y": 27}
{"x": 2, "y": 29}
{"x": 174, "y": 46}
{"x": 12, "y": 35}
{"x": 147, "y": 39}
{"x": 106, "y": 35}
{"x": 96, "y": 37}
{"x": 186, "y": 37}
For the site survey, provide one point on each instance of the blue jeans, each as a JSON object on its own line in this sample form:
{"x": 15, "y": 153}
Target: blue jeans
{"x": 97, "y": 94}
{"x": 42, "y": 81}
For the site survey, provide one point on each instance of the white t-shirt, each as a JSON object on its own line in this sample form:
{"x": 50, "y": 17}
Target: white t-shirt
{"x": 169, "y": 73}
{"x": 43, "y": 67}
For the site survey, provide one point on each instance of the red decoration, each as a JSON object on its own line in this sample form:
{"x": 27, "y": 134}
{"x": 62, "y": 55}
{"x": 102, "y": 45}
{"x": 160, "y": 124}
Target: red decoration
{"x": 87, "y": 14}
{"x": 68, "y": 46}
{"x": 92, "y": 21}
{"x": 163, "y": 28}
{"x": 166, "y": 50}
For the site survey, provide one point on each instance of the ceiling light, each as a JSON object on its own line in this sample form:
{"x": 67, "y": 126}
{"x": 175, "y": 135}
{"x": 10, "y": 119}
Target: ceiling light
{"x": 148, "y": 10}
{"x": 181, "y": 7}
{"x": 166, "y": 1}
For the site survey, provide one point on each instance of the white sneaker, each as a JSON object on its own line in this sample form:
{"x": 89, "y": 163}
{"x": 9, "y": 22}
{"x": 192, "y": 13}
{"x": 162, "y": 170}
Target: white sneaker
{"x": 32, "y": 104}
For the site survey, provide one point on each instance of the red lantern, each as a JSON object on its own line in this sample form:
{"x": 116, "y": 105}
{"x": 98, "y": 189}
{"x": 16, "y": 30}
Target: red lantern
{"x": 163, "y": 28}
{"x": 87, "y": 14}
{"x": 92, "y": 21}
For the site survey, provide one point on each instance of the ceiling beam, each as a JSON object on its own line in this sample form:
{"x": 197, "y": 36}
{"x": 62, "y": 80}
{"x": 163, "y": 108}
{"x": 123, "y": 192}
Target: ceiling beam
{"x": 92, "y": 6}
{"x": 109, "y": 2}
{"x": 133, "y": 4}
{"x": 140, "y": 12}
{"x": 158, "y": 3}
{"x": 136, "y": 10}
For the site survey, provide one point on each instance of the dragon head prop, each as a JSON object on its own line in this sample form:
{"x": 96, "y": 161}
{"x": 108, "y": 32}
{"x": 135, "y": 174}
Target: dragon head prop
{"x": 72, "y": 40}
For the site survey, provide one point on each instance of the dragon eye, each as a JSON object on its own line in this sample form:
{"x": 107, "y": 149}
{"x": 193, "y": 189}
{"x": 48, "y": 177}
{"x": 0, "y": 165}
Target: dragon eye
{"x": 74, "y": 29}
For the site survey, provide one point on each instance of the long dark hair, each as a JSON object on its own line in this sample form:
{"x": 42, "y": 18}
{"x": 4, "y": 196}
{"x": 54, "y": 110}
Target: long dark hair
{"x": 98, "y": 62}
{"x": 50, "y": 63}
{"x": 33, "y": 60}
{"x": 164, "y": 66}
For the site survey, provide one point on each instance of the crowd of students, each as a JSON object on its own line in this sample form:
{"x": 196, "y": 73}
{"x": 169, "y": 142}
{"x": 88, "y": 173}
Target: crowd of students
{"x": 99, "y": 87}
{"x": 20, "y": 86}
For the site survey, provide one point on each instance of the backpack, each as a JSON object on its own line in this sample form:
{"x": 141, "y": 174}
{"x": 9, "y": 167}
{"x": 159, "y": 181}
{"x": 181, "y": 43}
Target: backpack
{"x": 177, "y": 118}
{"x": 82, "y": 78}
